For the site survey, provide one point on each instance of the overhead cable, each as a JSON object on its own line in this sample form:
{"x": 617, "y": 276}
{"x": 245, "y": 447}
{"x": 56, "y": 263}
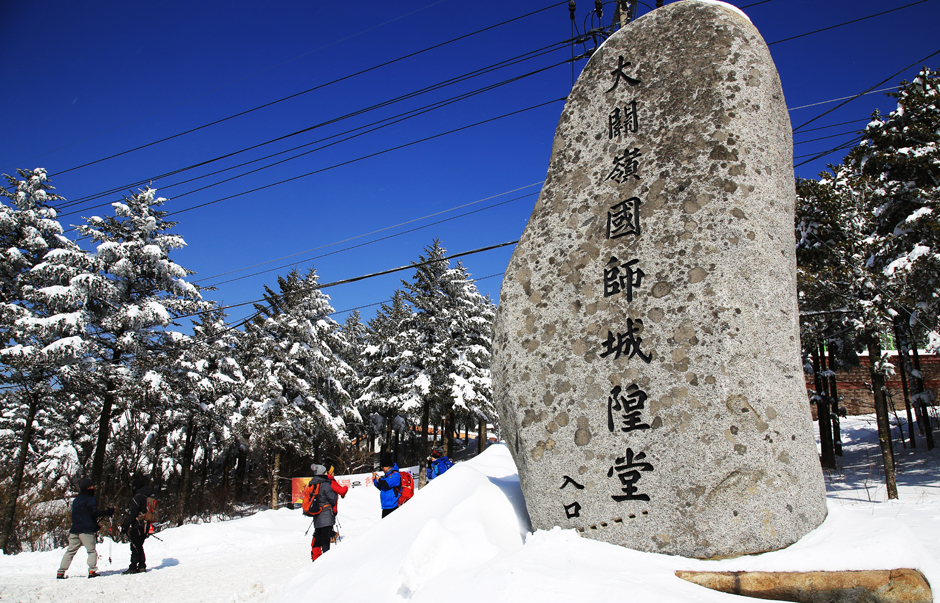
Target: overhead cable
{"x": 258, "y": 265}
{"x": 318, "y": 87}
{"x": 809, "y": 33}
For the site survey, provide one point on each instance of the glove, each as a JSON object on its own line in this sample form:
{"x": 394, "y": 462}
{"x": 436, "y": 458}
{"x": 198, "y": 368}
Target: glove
{"x": 122, "y": 530}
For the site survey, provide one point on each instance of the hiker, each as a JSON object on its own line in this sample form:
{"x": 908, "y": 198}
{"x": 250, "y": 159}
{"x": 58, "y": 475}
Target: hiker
{"x": 85, "y": 516}
{"x": 136, "y": 528}
{"x": 341, "y": 491}
{"x": 437, "y": 464}
{"x": 323, "y": 509}
{"x": 337, "y": 487}
{"x": 389, "y": 484}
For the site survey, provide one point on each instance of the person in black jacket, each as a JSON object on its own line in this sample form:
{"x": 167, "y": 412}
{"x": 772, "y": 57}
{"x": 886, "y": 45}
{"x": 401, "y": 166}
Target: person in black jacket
{"x": 136, "y": 528}
{"x": 85, "y": 516}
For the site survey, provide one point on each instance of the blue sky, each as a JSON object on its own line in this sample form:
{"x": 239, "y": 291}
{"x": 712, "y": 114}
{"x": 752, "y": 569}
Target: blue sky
{"x": 86, "y": 80}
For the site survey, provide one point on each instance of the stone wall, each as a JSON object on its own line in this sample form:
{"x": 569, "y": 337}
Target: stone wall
{"x": 854, "y": 390}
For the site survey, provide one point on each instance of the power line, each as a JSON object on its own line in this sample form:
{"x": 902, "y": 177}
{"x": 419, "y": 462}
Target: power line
{"x": 921, "y": 61}
{"x": 844, "y": 123}
{"x": 363, "y": 157}
{"x": 277, "y": 296}
{"x": 318, "y": 87}
{"x": 841, "y": 147}
{"x": 375, "y": 240}
{"x": 826, "y": 137}
{"x": 373, "y": 232}
{"x": 472, "y": 280}
{"x": 847, "y": 22}
{"x": 242, "y": 79}
{"x": 832, "y": 100}
{"x": 385, "y": 122}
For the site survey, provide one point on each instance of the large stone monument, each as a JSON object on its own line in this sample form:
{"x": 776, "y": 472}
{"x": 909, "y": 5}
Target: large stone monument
{"x": 647, "y": 363}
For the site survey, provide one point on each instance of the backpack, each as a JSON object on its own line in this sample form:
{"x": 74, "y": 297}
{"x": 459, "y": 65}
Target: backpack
{"x": 407, "y": 489}
{"x": 311, "y": 504}
{"x": 151, "y": 512}
{"x": 439, "y": 466}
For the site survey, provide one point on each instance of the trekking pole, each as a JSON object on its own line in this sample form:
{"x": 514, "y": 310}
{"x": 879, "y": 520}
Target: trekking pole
{"x": 157, "y": 537}
{"x": 310, "y": 526}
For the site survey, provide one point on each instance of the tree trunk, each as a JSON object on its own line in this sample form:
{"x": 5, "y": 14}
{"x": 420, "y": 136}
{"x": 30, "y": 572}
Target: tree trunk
{"x": 834, "y": 397}
{"x": 449, "y": 434}
{"x": 423, "y": 442}
{"x": 104, "y": 431}
{"x": 186, "y": 478}
{"x": 241, "y": 470}
{"x": 924, "y": 417}
{"x": 9, "y": 510}
{"x": 827, "y": 456}
{"x": 902, "y": 345}
{"x": 275, "y": 476}
{"x": 884, "y": 425}
{"x": 481, "y": 436}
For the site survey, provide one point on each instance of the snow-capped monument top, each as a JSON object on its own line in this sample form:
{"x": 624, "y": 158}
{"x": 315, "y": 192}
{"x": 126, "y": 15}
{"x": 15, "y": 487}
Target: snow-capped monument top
{"x": 647, "y": 359}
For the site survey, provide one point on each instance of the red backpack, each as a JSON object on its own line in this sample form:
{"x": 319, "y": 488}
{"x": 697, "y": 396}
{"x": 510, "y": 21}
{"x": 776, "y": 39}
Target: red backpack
{"x": 310, "y": 504}
{"x": 407, "y": 487}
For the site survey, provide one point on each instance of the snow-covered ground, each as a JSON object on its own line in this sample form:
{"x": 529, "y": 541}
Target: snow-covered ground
{"x": 465, "y": 538}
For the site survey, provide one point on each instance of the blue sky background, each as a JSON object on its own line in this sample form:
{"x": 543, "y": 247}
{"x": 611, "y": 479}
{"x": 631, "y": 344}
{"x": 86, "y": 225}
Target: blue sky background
{"x": 85, "y": 80}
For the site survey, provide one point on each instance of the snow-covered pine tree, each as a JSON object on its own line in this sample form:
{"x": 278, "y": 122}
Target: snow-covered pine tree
{"x": 393, "y": 385}
{"x": 41, "y": 320}
{"x": 140, "y": 294}
{"x": 207, "y": 379}
{"x": 295, "y": 397}
{"x": 447, "y": 354}
{"x": 471, "y": 332}
{"x": 901, "y": 156}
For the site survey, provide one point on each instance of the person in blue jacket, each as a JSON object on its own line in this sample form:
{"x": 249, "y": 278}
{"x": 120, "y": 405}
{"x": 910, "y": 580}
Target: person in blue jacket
{"x": 85, "y": 516}
{"x": 389, "y": 484}
{"x": 437, "y": 464}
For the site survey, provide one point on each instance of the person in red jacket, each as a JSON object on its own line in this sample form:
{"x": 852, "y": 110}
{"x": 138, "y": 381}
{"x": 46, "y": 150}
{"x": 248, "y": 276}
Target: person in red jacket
{"x": 341, "y": 491}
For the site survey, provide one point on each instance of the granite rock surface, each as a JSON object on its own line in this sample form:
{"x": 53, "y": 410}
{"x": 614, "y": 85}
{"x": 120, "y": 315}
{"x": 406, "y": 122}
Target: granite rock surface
{"x": 647, "y": 360}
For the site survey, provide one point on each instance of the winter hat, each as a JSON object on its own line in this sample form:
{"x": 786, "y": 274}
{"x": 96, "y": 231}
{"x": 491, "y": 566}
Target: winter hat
{"x": 386, "y": 460}
{"x": 318, "y": 469}
{"x": 86, "y": 484}
{"x": 435, "y": 454}
{"x": 137, "y": 483}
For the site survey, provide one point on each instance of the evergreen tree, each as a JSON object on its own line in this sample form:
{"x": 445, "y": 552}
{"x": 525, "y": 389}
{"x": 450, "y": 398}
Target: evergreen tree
{"x": 295, "y": 396}
{"x": 142, "y": 291}
{"x": 41, "y": 318}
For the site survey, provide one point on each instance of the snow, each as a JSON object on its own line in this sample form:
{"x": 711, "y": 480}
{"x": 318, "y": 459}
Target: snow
{"x": 730, "y": 7}
{"x": 465, "y": 537}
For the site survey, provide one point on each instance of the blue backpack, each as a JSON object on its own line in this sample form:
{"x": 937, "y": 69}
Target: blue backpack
{"x": 439, "y": 466}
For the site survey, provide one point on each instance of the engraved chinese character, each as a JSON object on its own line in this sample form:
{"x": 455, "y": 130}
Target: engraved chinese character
{"x": 568, "y": 480}
{"x": 573, "y": 510}
{"x": 625, "y": 165}
{"x": 624, "y": 218}
{"x": 622, "y": 277}
{"x": 628, "y": 408}
{"x": 625, "y": 344}
{"x": 619, "y": 74}
{"x": 628, "y": 470}
{"x": 622, "y": 121}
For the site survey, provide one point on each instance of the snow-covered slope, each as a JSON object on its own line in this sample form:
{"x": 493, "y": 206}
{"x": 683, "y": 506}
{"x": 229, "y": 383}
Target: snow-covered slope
{"x": 465, "y": 538}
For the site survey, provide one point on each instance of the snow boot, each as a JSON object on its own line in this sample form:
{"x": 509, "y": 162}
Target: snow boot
{"x": 93, "y": 574}
{"x": 60, "y": 575}
{"x": 315, "y": 552}
{"x": 130, "y": 570}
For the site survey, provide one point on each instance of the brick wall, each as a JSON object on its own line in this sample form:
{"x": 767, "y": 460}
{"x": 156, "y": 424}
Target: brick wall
{"x": 856, "y": 396}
